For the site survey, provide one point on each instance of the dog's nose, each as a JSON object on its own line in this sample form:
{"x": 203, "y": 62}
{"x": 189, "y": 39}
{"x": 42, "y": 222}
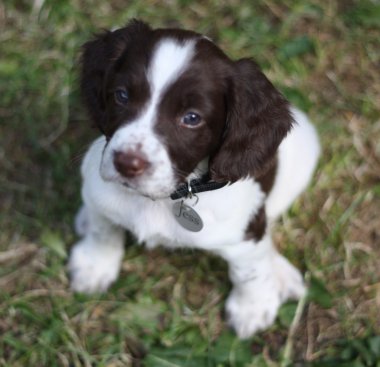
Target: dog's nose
{"x": 130, "y": 164}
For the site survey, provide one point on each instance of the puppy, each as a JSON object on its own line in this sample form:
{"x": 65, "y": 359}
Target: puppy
{"x": 198, "y": 151}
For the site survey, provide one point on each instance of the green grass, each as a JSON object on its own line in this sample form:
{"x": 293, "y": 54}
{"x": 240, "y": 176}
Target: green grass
{"x": 163, "y": 311}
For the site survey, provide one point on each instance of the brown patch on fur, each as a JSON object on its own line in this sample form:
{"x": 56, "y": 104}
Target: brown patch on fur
{"x": 257, "y": 226}
{"x": 266, "y": 180}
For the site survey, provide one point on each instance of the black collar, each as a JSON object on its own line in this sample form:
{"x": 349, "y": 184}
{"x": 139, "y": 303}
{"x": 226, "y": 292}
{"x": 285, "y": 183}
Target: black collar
{"x": 196, "y": 186}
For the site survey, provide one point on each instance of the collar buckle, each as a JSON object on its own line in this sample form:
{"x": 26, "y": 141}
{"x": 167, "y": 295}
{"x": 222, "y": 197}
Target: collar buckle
{"x": 189, "y": 191}
{"x": 195, "y": 186}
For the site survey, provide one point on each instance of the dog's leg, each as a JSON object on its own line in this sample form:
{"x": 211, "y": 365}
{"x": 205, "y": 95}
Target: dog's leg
{"x": 262, "y": 280}
{"x": 96, "y": 259}
{"x": 81, "y": 221}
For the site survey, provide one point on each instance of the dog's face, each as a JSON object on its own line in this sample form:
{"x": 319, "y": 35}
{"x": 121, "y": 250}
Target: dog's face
{"x": 167, "y": 100}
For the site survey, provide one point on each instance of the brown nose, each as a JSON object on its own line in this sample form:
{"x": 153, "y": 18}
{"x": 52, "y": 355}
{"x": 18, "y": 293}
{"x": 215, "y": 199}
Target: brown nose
{"x": 130, "y": 164}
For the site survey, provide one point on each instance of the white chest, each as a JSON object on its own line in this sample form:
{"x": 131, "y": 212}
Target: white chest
{"x": 225, "y": 214}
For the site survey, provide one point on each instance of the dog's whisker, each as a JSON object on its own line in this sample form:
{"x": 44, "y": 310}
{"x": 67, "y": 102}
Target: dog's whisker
{"x": 77, "y": 157}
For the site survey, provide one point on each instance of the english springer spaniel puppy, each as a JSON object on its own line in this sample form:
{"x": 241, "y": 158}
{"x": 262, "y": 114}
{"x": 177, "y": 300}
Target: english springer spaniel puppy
{"x": 197, "y": 151}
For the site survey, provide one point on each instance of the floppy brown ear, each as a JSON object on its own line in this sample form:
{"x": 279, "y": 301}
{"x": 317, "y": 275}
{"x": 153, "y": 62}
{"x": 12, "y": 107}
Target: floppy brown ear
{"x": 258, "y": 119}
{"x": 98, "y": 56}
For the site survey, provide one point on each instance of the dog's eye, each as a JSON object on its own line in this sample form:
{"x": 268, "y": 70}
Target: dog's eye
{"x": 121, "y": 96}
{"x": 191, "y": 119}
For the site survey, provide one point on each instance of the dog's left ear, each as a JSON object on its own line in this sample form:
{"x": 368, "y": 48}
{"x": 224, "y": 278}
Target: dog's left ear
{"x": 258, "y": 119}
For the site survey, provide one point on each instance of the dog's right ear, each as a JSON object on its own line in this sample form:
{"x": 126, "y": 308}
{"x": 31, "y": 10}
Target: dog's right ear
{"x": 98, "y": 56}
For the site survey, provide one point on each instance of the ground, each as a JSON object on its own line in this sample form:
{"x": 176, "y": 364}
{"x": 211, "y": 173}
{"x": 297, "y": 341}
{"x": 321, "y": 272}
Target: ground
{"x": 324, "y": 56}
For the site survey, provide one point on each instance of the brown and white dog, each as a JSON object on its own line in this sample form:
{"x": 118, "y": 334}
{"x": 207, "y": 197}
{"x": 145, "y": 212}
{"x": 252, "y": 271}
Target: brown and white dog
{"x": 178, "y": 116}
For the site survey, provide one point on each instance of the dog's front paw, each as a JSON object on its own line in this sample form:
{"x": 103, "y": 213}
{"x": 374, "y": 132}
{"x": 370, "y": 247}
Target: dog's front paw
{"x": 93, "y": 268}
{"x": 249, "y": 311}
{"x": 253, "y": 305}
{"x": 289, "y": 279}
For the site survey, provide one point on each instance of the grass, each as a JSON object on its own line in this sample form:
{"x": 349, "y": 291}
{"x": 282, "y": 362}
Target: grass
{"x": 162, "y": 311}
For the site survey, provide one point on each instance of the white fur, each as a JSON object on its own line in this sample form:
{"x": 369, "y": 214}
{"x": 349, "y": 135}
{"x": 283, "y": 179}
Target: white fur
{"x": 95, "y": 260}
{"x": 169, "y": 61}
{"x": 261, "y": 277}
{"x": 298, "y": 156}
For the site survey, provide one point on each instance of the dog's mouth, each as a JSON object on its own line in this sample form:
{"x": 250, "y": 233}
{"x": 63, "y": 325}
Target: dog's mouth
{"x": 149, "y": 184}
{"x": 154, "y": 194}
{"x": 137, "y": 191}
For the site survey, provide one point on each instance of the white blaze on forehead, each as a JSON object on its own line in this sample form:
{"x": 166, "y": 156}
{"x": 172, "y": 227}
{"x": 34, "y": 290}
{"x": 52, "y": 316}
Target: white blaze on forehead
{"x": 169, "y": 61}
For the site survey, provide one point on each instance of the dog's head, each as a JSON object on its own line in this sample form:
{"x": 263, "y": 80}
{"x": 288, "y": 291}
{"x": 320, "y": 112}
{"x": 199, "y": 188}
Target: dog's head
{"x": 168, "y": 100}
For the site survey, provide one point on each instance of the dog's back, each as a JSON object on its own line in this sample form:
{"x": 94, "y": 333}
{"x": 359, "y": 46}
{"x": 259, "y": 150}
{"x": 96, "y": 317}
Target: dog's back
{"x": 297, "y": 158}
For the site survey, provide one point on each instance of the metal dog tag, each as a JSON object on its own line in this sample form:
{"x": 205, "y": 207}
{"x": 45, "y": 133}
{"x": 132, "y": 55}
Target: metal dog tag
{"x": 187, "y": 217}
